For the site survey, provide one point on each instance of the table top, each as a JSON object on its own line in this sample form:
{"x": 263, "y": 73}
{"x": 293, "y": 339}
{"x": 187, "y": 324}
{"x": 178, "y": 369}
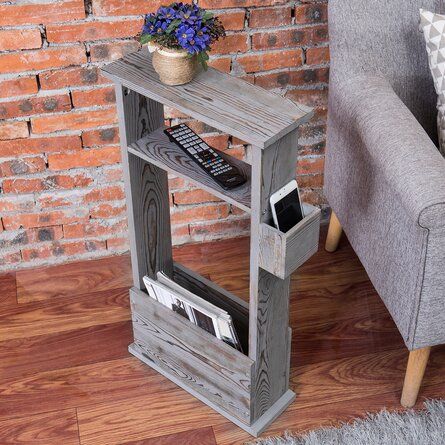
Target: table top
{"x": 230, "y": 104}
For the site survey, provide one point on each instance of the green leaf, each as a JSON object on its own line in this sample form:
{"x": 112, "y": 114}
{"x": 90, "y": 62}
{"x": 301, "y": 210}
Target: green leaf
{"x": 207, "y": 15}
{"x": 202, "y": 59}
{"x": 145, "y": 38}
{"x": 173, "y": 25}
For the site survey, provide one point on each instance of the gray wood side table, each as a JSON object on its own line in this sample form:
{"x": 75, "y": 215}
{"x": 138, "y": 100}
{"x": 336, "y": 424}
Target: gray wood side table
{"x": 250, "y": 389}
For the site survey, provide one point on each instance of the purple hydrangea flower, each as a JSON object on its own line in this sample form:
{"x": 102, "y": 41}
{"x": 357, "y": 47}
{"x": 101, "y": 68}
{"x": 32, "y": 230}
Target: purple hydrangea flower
{"x": 184, "y": 34}
{"x": 160, "y": 26}
{"x": 166, "y": 13}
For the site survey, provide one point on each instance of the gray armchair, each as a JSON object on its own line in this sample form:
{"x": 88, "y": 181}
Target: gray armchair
{"x": 384, "y": 177}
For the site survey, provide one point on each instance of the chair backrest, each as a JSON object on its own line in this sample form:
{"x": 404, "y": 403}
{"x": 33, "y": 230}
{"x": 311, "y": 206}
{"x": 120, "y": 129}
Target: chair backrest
{"x": 382, "y": 37}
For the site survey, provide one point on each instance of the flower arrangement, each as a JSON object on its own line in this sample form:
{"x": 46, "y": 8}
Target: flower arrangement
{"x": 182, "y": 26}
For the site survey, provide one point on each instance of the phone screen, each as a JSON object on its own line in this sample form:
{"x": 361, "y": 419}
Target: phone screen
{"x": 288, "y": 211}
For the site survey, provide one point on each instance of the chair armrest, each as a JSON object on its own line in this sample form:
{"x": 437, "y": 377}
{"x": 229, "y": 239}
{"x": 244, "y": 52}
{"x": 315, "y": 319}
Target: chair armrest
{"x": 398, "y": 145}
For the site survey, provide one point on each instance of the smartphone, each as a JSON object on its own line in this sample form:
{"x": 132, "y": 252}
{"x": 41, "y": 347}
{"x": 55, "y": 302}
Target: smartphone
{"x": 287, "y": 210}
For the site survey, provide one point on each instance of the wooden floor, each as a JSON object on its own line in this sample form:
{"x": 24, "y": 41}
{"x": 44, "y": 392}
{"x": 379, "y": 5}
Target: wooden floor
{"x": 66, "y": 376}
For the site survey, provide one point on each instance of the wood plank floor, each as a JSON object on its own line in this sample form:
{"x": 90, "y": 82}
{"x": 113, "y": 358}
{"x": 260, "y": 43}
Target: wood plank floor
{"x": 66, "y": 376}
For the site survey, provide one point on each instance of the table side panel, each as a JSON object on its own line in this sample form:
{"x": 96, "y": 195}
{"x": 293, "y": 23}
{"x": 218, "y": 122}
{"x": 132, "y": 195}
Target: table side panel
{"x": 209, "y": 366}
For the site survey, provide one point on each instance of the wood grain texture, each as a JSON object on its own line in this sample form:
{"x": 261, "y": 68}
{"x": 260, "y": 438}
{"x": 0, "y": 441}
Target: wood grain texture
{"x": 199, "y": 436}
{"x": 269, "y": 295}
{"x": 158, "y": 150}
{"x": 415, "y": 370}
{"x": 334, "y": 233}
{"x": 136, "y": 418}
{"x": 62, "y": 314}
{"x": 58, "y": 350}
{"x": 73, "y": 279}
{"x": 146, "y": 188}
{"x": 8, "y": 289}
{"x": 210, "y": 367}
{"x": 282, "y": 253}
{"x": 59, "y": 427}
{"x": 58, "y": 389}
{"x": 347, "y": 358}
{"x": 227, "y": 103}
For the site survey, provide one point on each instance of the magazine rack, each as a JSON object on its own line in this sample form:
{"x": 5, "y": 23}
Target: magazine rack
{"x": 250, "y": 389}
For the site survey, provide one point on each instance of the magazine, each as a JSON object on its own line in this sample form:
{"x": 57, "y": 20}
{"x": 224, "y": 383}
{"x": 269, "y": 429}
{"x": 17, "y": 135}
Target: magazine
{"x": 200, "y": 312}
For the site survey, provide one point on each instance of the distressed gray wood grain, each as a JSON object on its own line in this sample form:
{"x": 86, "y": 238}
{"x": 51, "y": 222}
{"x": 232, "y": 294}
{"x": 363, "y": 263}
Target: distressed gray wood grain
{"x": 272, "y": 168}
{"x": 209, "y": 291}
{"x": 203, "y": 362}
{"x": 282, "y": 253}
{"x": 146, "y": 188}
{"x": 229, "y": 104}
{"x": 158, "y": 150}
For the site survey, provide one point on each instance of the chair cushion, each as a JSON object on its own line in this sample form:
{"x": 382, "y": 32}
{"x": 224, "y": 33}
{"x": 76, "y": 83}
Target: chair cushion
{"x": 433, "y": 27}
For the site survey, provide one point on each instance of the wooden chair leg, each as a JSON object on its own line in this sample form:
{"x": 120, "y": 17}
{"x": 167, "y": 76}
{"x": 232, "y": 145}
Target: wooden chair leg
{"x": 414, "y": 374}
{"x": 334, "y": 233}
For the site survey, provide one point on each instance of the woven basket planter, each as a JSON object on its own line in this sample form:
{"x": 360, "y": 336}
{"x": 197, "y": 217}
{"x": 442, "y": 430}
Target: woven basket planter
{"x": 175, "y": 67}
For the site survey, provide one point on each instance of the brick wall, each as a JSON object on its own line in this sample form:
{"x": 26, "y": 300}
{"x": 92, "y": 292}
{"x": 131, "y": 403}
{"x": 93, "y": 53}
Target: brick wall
{"x": 61, "y": 194}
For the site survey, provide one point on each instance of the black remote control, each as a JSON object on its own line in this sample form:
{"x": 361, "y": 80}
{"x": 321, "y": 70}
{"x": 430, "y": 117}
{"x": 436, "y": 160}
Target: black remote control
{"x": 208, "y": 159}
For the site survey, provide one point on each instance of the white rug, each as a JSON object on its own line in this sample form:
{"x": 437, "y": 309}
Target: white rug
{"x": 408, "y": 428}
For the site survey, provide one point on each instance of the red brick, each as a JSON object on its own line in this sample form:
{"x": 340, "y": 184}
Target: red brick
{"x": 107, "y": 210}
{"x": 101, "y": 52}
{"x": 222, "y": 64}
{"x": 194, "y": 196}
{"x": 105, "y": 136}
{"x": 93, "y": 30}
{"x": 35, "y": 105}
{"x": 112, "y": 174}
{"x": 118, "y": 243}
{"x": 18, "y": 87}
{"x": 313, "y": 196}
{"x": 220, "y": 141}
{"x": 39, "y": 145}
{"x": 22, "y": 166}
{"x": 41, "y": 12}
{"x": 125, "y": 7}
{"x": 94, "y": 228}
{"x": 58, "y": 249}
{"x": 30, "y": 185}
{"x": 268, "y": 17}
{"x": 290, "y": 37}
{"x": 220, "y": 4}
{"x": 71, "y": 77}
{"x": 297, "y": 78}
{"x": 310, "y": 165}
{"x": 317, "y": 56}
{"x": 13, "y": 130}
{"x": 312, "y": 98}
{"x": 312, "y": 13}
{"x": 310, "y": 181}
{"x": 85, "y": 158}
{"x": 74, "y": 121}
{"x": 23, "y": 237}
{"x": 96, "y": 97}
{"x": 176, "y": 183}
{"x": 42, "y": 59}
{"x": 27, "y": 220}
{"x": 15, "y": 203}
{"x": 233, "y": 21}
{"x": 232, "y": 43}
{"x": 181, "y": 232}
{"x": 12, "y": 39}
{"x": 10, "y": 257}
{"x": 271, "y": 61}
{"x": 111, "y": 193}
{"x": 187, "y": 215}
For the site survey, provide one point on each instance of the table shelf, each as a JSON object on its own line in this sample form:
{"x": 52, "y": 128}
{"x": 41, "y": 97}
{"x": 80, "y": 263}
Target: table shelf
{"x": 157, "y": 149}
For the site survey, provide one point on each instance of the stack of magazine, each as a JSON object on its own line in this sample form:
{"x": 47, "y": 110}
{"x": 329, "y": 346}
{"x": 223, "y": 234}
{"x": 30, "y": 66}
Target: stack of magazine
{"x": 197, "y": 310}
